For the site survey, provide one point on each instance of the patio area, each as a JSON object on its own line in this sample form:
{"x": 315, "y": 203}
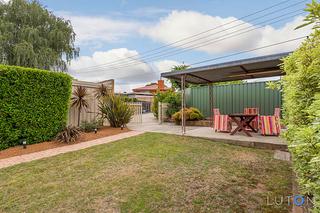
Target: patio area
{"x": 150, "y": 124}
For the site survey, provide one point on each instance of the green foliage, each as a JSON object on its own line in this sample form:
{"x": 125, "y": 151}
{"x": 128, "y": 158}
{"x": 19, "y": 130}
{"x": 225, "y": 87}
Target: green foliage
{"x": 79, "y": 100}
{"x": 155, "y": 106}
{"x": 229, "y": 82}
{"x": 174, "y": 102}
{"x": 68, "y": 135}
{"x": 192, "y": 114}
{"x": 129, "y": 99}
{"x": 313, "y": 17}
{"x": 301, "y": 92}
{"x": 115, "y": 110}
{"x": 87, "y": 126}
{"x": 32, "y": 36}
{"x": 172, "y": 98}
{"x": 176, "y": 84}
{"x": 33, "y": 104}
{"x": 273, "y": 85}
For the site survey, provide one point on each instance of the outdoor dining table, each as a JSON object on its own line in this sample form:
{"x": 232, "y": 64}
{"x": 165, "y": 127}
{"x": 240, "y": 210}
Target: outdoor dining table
{"x": 243, "y": 121}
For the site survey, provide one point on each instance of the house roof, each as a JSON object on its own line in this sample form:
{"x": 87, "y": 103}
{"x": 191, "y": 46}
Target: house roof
{"x": 148, "y": 88}
{"x": 258, "y": 67}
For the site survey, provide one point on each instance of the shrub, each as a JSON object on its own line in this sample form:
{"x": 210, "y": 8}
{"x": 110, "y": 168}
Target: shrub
{"x": 33, "y": 104}
{"x": 86, "y": 126}
{"x": 129, "y": 99}
{"x": 172, "y": 98}
{"x": 115, "y": 110}
{"x": 301, "y": 94}
{"x": 192, "y": 114}
{"x": 155, "y": 106}
{"x": 68, "y": 135}
{"x": 174, "y": 102}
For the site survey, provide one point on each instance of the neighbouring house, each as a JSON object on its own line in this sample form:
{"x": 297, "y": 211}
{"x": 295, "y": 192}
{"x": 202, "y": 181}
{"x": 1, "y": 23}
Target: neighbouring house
{"x": 92, "y": 111}
{"x": 146, "y": 93}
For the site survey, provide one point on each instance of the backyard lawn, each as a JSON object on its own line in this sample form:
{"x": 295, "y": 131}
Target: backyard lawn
{"x": 152, "y": 172}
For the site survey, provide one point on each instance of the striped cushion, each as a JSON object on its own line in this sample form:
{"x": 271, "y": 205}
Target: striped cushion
{"x": 222, "y": 123}
{"x": 270, "y": 125}
{"x": 251, "y": 111}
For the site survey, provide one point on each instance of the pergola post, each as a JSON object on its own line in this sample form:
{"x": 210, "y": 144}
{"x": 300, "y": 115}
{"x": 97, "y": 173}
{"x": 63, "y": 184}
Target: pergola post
{"x": 183, "y": 104}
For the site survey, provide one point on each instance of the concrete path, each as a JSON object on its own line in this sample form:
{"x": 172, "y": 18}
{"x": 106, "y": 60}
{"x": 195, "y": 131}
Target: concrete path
{"x": 150, "y": 124}
{"x": 60, "y": 150}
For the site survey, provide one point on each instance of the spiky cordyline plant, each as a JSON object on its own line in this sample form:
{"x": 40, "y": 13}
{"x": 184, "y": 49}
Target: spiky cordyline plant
{"x": 102, "y": 91}
{"x": 68, "y": 135}
{"x": 78, "y": 100}
{"x": 115, "y": 110}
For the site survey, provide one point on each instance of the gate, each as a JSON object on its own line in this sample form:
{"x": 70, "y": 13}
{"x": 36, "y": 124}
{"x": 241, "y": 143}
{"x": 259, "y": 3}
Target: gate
{"x": 137, "y": 108}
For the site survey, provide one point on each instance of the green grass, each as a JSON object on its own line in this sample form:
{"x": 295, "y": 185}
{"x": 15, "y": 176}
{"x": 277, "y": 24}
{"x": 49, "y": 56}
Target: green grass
{"x": 149, "y": 173}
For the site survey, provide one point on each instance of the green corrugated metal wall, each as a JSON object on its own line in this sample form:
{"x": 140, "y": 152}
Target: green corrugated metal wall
{"x": 234, "y": 98}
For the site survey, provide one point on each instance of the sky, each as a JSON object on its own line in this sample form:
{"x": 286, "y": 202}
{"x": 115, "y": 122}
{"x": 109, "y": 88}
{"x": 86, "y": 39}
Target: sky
{"x": 119, "y": 39}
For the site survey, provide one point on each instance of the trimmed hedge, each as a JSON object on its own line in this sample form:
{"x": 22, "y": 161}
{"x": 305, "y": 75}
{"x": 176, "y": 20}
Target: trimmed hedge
{"x": 33, "y": 104}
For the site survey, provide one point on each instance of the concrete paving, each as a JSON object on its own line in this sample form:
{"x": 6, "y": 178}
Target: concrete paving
{"x": 150, "y": 124}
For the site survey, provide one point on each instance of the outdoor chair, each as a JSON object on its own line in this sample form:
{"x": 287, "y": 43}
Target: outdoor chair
{"x": 270, "y": 125}
{"x": 255, "y": 122}
{"x": 221, "y": 123}
{"x": 277, "y": 112}
{"x": 216, "y": 111}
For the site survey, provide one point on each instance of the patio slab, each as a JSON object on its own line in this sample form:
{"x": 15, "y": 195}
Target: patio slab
{"x": 150, "y": 124}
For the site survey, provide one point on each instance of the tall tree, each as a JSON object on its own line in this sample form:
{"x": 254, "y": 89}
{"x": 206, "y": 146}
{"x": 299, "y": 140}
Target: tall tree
{"x": 32, "y": 36}
{"x": 176, "y": 84}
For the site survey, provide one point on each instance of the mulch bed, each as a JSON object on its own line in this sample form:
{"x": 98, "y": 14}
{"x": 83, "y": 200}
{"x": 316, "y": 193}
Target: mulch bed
{"x": 18, "y": 150}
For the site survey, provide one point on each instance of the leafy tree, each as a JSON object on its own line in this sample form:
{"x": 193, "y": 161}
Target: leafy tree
{"x": 79, "y": 101}
{"x": 313, "y": 17}
{"x": 32, "y": 36}
{"x": 177, "y": 84}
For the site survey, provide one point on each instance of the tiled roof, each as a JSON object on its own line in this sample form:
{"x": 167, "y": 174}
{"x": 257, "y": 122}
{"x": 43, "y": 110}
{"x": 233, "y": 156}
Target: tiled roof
{"x": 151, "y": 88}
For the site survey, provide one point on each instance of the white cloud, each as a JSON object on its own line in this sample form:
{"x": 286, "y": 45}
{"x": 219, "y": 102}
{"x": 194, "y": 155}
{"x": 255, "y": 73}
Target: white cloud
{"x": 149, "y": 12}
{"x": 176, "y": 25}
{"x": 96, "y": 30}
{"x": 127, "y": 77}
{"x": 181, "y": 24}
{"x": 271, "y": 35}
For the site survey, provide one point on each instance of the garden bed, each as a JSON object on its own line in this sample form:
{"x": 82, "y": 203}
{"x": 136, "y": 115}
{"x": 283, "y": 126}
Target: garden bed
{"x": 18, "y": 150}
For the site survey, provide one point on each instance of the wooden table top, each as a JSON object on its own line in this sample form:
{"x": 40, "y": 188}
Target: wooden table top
{"x": 242, "y": 115}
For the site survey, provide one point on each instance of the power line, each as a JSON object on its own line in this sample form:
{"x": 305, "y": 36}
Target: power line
{"x": 238, "y": 53}
{"x": 195, "y": 40}
{"x": 202, "y": 44}
{"x": 251, "y": 50}
{"x": 195, "y": 35}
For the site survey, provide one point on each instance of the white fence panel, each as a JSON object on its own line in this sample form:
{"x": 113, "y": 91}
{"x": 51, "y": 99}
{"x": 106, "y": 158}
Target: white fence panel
{"x": 137, "y": 108}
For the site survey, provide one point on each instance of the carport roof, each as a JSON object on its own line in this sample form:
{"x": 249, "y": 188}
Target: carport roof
{"x": 258, "y": 67}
